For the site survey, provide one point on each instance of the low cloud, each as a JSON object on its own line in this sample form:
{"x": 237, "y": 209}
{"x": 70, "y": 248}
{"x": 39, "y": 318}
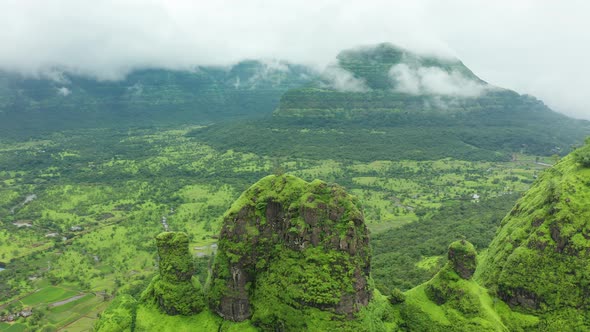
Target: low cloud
{"x": 340, "y": 79}
{"x": 434, "y": 81}
{"x": 539, "y": 47}
{"x": 63, "y": 91}
{"x": 266, "y": 73}
{"x": 136, "y": 89}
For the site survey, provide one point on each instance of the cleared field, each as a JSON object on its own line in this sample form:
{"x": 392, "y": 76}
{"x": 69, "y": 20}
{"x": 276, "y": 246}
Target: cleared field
{"x": 48, "y": 295}
{"x": 16, "y": 327}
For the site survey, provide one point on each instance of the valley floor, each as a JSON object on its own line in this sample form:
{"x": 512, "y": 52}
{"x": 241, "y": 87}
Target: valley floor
{"x": 79, "y": 211}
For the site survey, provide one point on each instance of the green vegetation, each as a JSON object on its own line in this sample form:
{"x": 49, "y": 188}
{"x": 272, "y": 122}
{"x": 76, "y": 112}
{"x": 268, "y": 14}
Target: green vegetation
{"x": 397, "y": 125}
{"x": 462, "y": 257}
{"x": 372, "y": 64}
{"x": 174, "y": 289}
{"x": 582, "y": 156}
{"x": 88, "y": 181}
{"x": 538, "y": 261}
{"x": 291, "y": 252}
{"x": 119, "y": 316}
{"x": 452, "y": 301}
{"x": 410, "y": 255}
{"x": 149, "y": 97}
{"x": 119, "y": 193}
{"x": 313, "y": 281}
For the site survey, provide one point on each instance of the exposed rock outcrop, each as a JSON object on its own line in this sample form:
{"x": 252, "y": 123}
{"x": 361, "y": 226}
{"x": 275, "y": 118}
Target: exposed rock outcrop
{"x": 462, "y": 256}
{"x": 174, "y": 290}
{"x": 453, "y": 301}
{"x": 301, "y": 244}
{"x": 446, "y": 286}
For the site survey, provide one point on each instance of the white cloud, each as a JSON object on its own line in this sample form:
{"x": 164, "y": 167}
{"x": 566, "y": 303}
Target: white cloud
{"x": 539, "y": 47}
{"x": 63, "y": 91}
{"x": 434, "y": 81}
{"x": 342, "y": 80}
{"x": 265, "y": 73}
{"x": 405, "y": 79}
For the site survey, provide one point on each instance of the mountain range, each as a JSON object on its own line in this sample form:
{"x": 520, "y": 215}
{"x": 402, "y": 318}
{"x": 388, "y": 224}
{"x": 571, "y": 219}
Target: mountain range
{"x": 382, "y": 94}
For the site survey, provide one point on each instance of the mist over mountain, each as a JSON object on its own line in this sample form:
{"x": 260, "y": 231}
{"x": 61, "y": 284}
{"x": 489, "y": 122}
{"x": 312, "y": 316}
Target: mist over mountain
{"x": 29, "y": 106}
{"x": 500, "y": 40}
{"x": 399, "y": 104}
{"x": 435, "y": 104}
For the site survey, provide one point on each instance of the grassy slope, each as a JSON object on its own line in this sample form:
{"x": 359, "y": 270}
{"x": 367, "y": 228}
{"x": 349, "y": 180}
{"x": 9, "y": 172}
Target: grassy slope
{"x": 538, "y": 261}
{"x": 449, "y": 302}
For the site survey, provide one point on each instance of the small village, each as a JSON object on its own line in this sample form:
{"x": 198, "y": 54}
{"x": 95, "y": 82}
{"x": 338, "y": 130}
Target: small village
{"x": 16, "y": 315}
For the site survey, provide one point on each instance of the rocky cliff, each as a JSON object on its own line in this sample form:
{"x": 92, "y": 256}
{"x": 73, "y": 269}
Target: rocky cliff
{"x": 287, "y": 245}
{"x": 174, "y": 289}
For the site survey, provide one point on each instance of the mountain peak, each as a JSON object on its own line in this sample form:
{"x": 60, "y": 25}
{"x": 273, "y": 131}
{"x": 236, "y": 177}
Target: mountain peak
{"x": 387, "y": 66}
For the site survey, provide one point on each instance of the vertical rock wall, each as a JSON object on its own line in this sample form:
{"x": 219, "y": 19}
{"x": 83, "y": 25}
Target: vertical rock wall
{"x": 308, "y": 240}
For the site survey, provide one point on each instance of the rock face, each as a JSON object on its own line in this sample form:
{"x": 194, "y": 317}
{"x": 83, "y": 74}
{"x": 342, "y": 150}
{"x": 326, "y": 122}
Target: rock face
{"x": 462, "y": 256}
{"x": 297, "y": 244}
{"x": 176, "y": 264}
{"x": 540, "y": 259}
{"x": 174, "y": 290}
{"x": 446, "y": 286}
{"x": 454, "y": 301}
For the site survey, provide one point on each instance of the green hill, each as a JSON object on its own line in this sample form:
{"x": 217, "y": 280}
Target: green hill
{"x": 539, "y": 261}
{"x": 390, "y": 103}
{"x": 533, "y": 276}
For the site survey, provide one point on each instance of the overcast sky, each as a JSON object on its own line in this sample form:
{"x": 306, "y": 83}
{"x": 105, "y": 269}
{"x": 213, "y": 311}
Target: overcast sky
{"x": 532, "y": 46}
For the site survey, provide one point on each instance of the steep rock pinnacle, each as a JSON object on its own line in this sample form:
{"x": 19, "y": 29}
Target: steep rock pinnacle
{"x": 295, "y": 244}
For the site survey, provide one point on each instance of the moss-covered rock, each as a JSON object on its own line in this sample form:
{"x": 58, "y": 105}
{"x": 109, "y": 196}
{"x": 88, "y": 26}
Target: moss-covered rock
{"x": 540, "y": 260}
{"x": 176, "y": 263}
{"x": 175, "y": 290}
{"x": 287, "y": 246}
{"x": 451, "y": 301}
{"x": 462, "y": 257}
{"x": 396, "y": 296}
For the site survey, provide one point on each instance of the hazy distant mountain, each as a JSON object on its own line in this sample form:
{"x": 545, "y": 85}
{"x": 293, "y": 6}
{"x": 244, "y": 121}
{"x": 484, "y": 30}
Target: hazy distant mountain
{"x": 145, "y": 97}
{"x": 390, "y": 101}
{"x": 398, "y": 104}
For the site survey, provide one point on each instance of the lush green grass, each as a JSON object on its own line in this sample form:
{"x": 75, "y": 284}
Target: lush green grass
{"x": 48, "y": 295}
{"x": 16, "y": 327}
{"x": 448, "y": 301}
{"x": 151, "y": 319}
{"x": 538, "y": 260}
{"x": 83, "y": 324}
